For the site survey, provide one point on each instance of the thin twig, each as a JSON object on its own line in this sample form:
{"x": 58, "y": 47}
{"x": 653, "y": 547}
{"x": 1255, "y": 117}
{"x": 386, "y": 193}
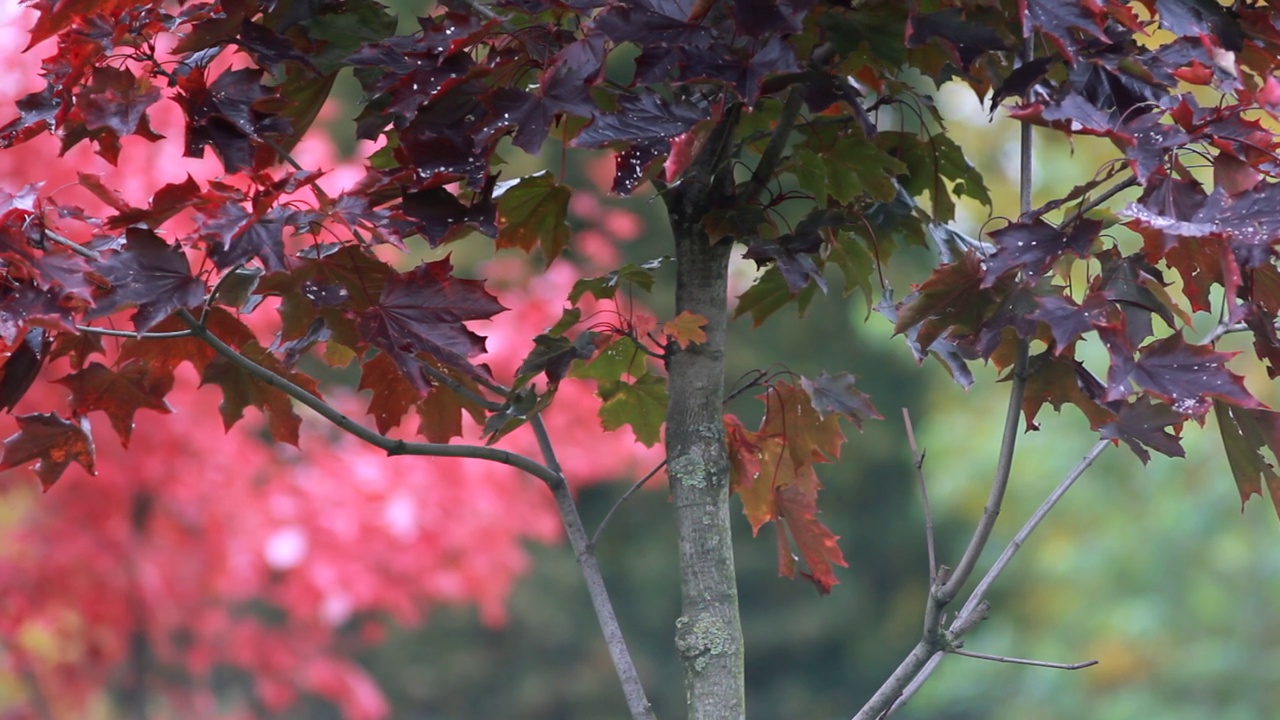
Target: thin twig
{"x": 74, "y": 247}
{"x": 997, "y": 568}
{"x": 481, "y": 9}
{"x": 1097, "y": 201}
{"x": 110, "y": 332}
{"x": 917, "y": 458}
{"x": 632, "y": 688}
{"x": 894, "y": 692}
{"x": 625, "y": 496}
{"x": 1221, "y": 329}
{"x": 1021, "y": 661}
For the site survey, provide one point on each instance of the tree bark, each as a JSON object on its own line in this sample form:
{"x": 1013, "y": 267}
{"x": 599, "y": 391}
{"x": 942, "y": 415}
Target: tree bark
{"x": 708, "y": 631}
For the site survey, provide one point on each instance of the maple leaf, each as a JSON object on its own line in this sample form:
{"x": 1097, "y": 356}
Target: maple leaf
{"x": 1244, "y": 433}
{"x": 965, "y": 40}
{"x": 118, "y": 393}
{"x": 1059, "y": 19}
{"x": 553, "y": 354}
{"x": 643, "y": 117}
{"x": 835, "y": 394}
{"x": 744, "y": 451}
{"x": 423, "y": 310}
{"x": 798, "y": 509}
{"x": 440, "y": 216}
{"x": 1067, "y": 321}
{"x": 532, "y": 213}
{"x": 638, "y": 276}
{"x": 148, "y": 274}
{"x": 1058, "y": 379}
{"x": 21, "y": 368}
{"x": 440, "y": 413}
{"x": 238, "y": 236}
{"x": 686, "y": 329}
{"x": 1183, "y": 375}
{"x": 1036, "y": 246}
{"x": 641, "y": 404}
{"x": 52, "y": 441}
{"x": 241, "y": 390}
{"x": 392, "y": 394}
{"x": 168, "y": 201}
{"x": 790, "y": 413}
{"x": 952, "y": 298}
{"x": 116, "y": 101}
{"x": 1141, "y": 425}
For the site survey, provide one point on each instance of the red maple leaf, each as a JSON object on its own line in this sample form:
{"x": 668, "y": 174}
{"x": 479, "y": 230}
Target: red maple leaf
{"x": 118, "y": 393}
{"x": 53, "y": 442}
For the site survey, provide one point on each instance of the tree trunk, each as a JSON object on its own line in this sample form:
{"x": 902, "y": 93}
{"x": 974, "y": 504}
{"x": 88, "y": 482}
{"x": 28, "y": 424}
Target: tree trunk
{"x": 708, "y": 632}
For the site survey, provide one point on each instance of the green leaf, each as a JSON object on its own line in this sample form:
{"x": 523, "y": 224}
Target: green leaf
{"x": 852, "y": 167}
{"x": 345, "y": 32}
{"x": 620, "y": 357}
{"x": 606, "y": 286}
{"x": 769, "y": 294}
{"x": 642, "y": 405}
{"x": 857, "y": 264}
{"x": 533, "y": 213}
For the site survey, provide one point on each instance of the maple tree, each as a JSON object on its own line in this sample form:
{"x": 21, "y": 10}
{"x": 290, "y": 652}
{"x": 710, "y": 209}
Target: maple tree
{"x": 760, "y": 125}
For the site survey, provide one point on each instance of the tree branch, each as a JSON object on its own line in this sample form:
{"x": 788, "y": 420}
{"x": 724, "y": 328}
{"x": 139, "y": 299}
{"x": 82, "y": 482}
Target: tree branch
{"x": 1012, "y": 421}
{"x": 1021, "y": 661}
{"x": 979, "y": 592}
{"x": 110, "y": 332}
{"x": 632, "y": 688}
{"x": 917, "y": 458}
{"x": 378, "y": 440}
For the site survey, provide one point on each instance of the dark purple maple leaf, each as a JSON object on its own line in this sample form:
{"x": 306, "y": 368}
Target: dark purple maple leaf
{"x": 644, "y": 117}
{"x": 148, "y": 274}
{"x": 1067, "y": 321}
{"x": 1141, "y": 425}
{"x": 633, "y": 23}
{"x": 964, "y": 39}
{"x": 571, "y": 73}
{"x": 836, "y": 394}
{"x": 238, "y": 236}
{"x": 423, "y": 310}
{"x": 1185, "y": 376}
{"x": 1201, "y": 19}
{"x": 37, "y": 112}
{"x": 115, "y": 100}
{"x": 1058, "y": 19}
{"x": 1035, "y": 246}
{"x": 438, "y": 214}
